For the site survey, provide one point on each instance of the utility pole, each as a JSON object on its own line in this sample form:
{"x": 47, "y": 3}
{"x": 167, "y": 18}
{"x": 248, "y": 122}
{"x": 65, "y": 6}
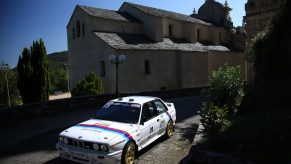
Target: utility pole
{"x": 5, "y": 68}
{"x": 67, "y": 72}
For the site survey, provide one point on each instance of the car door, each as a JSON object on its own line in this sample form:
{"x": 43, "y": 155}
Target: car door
{"x": 146, "y": 124}
{"x": 162, "y": 118}
{"x": 155, "y": 119}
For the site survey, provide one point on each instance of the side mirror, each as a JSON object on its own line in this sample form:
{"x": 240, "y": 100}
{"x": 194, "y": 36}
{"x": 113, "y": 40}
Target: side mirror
{"x": 141, "y": 122}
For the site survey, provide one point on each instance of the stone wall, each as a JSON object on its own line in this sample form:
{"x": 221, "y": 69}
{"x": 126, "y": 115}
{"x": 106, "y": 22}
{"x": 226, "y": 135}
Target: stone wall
{"x": 43, "y": 109}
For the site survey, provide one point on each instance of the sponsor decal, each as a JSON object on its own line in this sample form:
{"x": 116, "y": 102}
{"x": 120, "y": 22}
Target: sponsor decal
{"x": 123, "y": 133}
{"x": 135, "y": 105}
{"x": 117, "y": 143}
{"x": 163, "y": 123}
{"x": 93, "y": 130}
{"x": 102, "y": 124}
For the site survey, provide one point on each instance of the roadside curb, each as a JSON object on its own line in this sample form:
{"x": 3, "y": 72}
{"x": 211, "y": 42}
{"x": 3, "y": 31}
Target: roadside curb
{"x": 198, "y": 155}
{"x": 199, "y": 135}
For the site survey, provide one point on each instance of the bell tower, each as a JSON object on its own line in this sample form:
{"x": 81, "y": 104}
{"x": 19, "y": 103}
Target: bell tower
{"x": 215, "y": 13}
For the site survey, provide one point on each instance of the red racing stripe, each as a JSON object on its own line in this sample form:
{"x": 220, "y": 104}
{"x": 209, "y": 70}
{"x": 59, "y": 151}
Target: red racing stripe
{"x": 108, "y": 128}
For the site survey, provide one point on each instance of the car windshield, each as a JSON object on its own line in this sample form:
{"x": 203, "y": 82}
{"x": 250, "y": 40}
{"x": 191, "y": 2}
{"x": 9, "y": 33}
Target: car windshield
{"x": 120, "y": 112}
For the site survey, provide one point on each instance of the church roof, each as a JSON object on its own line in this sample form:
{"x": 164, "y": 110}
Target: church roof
{"x": 140, "y": 42}
{"x": 164, "y": 13}
{"x": 122, "y": 16}
{"x": 108, "y": 14}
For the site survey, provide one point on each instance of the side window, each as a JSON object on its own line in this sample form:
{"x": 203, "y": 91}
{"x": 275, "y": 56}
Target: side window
{"x": 149, "y": 111}
{"x": 161, "y": 108}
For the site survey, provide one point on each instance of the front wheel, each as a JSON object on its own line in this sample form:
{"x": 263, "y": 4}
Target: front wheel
{"x": 169, "y": 129}
{"x": 128, "y": 153}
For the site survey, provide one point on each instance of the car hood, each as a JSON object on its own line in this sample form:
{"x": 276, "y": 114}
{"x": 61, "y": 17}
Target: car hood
{"x": 100, "y": 131}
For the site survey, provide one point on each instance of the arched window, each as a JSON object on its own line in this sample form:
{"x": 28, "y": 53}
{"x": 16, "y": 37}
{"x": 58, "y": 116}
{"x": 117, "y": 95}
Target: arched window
{"x": 83, "y": 29}
{"x": 170, "y": 30}
{"x": 78, "y": 28}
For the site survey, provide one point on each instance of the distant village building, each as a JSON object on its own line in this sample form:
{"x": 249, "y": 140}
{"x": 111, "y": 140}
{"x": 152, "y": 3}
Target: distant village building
{"x": 164, "y": 50}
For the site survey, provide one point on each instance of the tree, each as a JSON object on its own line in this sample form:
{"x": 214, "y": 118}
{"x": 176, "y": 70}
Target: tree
{"x": 12, "y": 85}
{"x": 33, "y": 69}
{"x": 59, "y": 80}
{"x": 91, "y": 85}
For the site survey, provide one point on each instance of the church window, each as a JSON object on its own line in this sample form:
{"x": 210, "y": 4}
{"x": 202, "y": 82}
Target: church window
{"x": 170, "y": 30}
{"x": 73, "y": 33}
{"x": 102, "y": 68}
{"x": 83, "y": 29}
{"x": 147, "y": 70}
{"x": 219, "y": 37}
{"x": 78, "y": 28}
{"x": 198, "y": 34}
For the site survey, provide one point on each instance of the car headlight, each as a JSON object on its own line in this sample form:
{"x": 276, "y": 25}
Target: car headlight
{"x": 66, "y": 141}
{"x": 95, "y": 146}
{"x": 61, "y": 139}
{"x": 104, "y": 148}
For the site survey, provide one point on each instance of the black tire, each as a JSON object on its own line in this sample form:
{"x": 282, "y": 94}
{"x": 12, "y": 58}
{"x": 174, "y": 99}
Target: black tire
{"x": 128, "y": 153}
{"x": 170, "y": 129}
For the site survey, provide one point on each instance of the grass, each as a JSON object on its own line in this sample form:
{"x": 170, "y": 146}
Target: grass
{"x": 259, "y": 138}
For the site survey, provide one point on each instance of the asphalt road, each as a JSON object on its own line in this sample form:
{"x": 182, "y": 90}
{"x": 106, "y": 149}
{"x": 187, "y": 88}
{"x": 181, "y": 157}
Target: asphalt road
{"x": 41, "y": 148}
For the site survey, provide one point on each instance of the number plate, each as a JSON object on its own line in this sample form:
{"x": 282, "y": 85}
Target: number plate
{"x": 80, "y": 155}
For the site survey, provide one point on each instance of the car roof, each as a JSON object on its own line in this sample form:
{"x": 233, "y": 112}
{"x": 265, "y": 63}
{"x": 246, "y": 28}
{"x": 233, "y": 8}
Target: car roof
{"x": 135, "y": 99}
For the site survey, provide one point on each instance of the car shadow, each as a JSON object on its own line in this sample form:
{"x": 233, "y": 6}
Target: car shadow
{"x": 59, "y": 160}
{"x": 151, "y": 146}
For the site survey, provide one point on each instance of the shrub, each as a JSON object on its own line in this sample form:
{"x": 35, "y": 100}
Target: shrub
{"x": 224, "y": 95}
{"x": 213, "y": 118}
{"x": 226, "y": 87}
{"x": 91, "y": 85}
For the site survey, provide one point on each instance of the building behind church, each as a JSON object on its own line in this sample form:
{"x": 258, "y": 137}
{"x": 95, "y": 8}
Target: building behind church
{"x": 259, "y": 13}
{"x": 164, "y": 50}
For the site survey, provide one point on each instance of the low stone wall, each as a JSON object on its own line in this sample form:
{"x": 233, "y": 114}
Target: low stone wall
{"x": 41, "y": 109}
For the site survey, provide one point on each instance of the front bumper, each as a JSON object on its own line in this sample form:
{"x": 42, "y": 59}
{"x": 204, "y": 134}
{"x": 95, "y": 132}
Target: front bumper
{"x": 88, "y": 156}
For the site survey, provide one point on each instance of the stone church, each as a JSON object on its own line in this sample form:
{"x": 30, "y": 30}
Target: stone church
{"x": 164, "y": 50}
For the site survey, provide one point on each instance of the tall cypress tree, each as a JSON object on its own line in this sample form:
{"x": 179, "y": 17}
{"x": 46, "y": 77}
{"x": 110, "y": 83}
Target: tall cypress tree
{"x": 33, "y": 69}
{"x": 25, "y": 72}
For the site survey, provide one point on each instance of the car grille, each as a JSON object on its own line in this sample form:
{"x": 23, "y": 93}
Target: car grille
{"x": 80, "y": 144}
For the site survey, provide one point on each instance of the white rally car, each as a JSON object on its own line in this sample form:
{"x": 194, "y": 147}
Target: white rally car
{"x": 119, "y": 130}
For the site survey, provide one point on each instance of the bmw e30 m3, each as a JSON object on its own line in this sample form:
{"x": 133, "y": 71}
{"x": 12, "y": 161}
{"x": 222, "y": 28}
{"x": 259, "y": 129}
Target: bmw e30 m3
{"x": 118, "y": 131}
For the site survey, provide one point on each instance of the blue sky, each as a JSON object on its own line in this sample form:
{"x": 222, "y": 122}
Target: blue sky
{"x": 23, "y": 21}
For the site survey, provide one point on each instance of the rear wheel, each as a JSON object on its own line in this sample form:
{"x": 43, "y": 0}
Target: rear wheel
{"x": 128, "y": 153}
{"x": 169, "y": 129}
